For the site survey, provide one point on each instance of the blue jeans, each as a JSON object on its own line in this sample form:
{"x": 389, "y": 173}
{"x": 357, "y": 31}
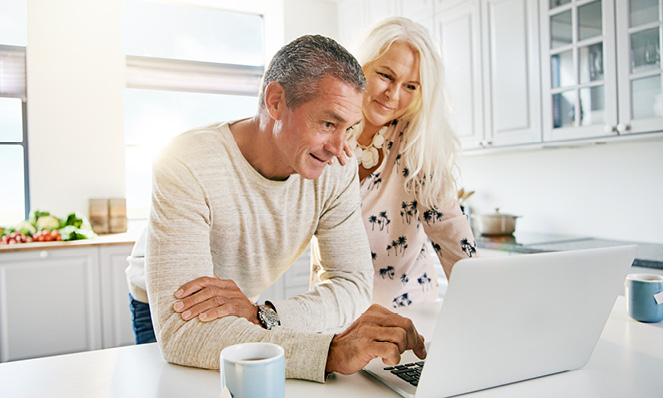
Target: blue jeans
{"x": 142, "y": 321}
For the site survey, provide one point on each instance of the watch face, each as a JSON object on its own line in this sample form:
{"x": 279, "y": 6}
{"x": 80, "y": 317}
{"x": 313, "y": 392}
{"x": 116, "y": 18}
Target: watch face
{"x": 268, "y": 317}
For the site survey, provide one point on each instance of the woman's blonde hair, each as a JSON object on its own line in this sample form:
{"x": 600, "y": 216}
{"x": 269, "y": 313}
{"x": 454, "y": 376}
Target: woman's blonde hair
{"x": 430, "y": 145}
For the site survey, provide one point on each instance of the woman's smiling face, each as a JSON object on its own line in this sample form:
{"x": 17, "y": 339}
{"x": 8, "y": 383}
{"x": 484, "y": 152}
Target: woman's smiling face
{"x": 392, "y": 83}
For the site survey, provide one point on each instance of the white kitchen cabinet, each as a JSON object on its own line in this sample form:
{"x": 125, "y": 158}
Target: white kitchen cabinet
{"x": 490, "y": 50}
{"x": 50, "y": 301}
{"x": 639, "y": 30}
{"x": 578, "y": 69}
{"x": 421, "y": 11}
{"x": 377, "y": 10}
{"x": 511, "y": 72}
{"x": 116, "y": 316}
{"x": 524, "y": 72}
{"x": 351, "y": 22}
{"x": 458, "y": 30}
{"x": 601, "y": 68}
{"x": 355, "y": 17}
{"x": 294, "y": 281}
{"x": 63, "y": 300}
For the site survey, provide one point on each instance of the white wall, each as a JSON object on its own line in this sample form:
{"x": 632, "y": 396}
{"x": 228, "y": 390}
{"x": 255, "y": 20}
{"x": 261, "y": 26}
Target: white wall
{"x": 609, "y": 191}
{"x": 75, "y": 81}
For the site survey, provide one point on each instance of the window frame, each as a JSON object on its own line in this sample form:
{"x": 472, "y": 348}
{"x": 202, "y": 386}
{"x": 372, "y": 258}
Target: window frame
{"x": 21, "y": 94}
{"x": 193, "y": 76}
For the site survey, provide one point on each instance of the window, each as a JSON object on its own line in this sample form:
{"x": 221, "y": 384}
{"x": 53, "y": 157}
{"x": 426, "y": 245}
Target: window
{"x": 14, "y": 187}
{"x": 186, "y": 67}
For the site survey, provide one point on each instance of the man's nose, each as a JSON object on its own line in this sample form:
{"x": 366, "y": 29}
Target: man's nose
{"x": 335, "y": 143}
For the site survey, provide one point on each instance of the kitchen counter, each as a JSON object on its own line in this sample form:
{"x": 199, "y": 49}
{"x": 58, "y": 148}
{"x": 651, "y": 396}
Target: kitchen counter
{"x": 627, "y": 362}
{"x": 649, "y": 255}
{"x": 129, "y": 237}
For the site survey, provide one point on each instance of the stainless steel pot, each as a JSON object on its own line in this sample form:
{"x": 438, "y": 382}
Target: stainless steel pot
{"x": 495, "y": 223}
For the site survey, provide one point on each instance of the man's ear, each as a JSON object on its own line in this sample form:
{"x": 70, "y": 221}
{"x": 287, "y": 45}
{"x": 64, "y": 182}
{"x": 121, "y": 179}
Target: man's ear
{"x": 275, "y": 100}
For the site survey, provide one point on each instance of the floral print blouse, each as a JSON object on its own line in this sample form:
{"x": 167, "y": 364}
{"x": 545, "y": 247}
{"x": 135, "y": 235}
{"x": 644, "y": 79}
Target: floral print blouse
{"x": 398, "y": 227}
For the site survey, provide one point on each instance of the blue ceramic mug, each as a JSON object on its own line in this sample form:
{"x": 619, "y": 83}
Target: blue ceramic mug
{"x": 644, "y": 297}
{"x": 253, "y": 370}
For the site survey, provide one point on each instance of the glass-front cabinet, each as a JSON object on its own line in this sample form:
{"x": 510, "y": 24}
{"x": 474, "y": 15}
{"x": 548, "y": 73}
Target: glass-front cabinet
{"x": 639, "y": 65}
{"x": 601, "y": 68}
{"x": 578, "y": 70}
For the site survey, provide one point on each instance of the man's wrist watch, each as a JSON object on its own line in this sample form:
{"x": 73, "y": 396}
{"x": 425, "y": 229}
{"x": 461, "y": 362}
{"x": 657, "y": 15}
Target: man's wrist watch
{"x": 268, "y": 317}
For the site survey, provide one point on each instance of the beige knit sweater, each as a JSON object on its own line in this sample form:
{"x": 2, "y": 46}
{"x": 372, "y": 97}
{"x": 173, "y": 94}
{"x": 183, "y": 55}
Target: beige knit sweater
{"x": 213, "y": 213}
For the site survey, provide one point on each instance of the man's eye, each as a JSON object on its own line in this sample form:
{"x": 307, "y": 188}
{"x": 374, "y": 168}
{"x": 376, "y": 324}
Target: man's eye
{"x": 329, "y": 125}
{"x": 386, "y": 76}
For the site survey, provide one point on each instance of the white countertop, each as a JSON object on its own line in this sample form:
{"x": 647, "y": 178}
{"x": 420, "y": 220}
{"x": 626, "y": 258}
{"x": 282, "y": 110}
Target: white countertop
{"x": 627, "y": 362}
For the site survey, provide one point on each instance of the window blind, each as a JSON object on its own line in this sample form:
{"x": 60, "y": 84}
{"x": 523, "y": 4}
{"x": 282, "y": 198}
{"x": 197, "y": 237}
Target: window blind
{"x": 12, "y": 72}
{"x": 193, "y": 76}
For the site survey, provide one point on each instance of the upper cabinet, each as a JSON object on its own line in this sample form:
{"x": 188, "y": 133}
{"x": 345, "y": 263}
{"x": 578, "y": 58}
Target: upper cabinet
{"x": 510, "y": 62}
{"x": 490, "y": 52}
{"x": 420, "y": 11}
{"x": 522, "y": 72}
{"x": 355, "y": 16}
{"x": 458, "y": 30}
{"x": 601, "y": 68}
{"x": 639, "y": 65}
{"x": 490, "y": 48}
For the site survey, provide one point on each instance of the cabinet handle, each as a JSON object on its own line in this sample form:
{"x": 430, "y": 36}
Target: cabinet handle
{"x": 485, "y": 143}
{"x": 609, "y": 129}
{"x": 43, "y": 254}
{"x": 621, "y": 128}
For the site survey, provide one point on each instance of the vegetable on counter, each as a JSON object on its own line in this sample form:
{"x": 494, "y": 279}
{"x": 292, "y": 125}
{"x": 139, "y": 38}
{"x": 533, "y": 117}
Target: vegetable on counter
{"x": 41, "y": 226}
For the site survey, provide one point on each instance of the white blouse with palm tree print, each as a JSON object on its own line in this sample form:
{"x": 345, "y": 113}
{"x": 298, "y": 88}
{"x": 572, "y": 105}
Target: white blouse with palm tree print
{"x": 398, "y": 227}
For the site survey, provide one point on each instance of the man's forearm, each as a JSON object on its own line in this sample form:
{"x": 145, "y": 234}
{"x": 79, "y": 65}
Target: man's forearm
{"x": 197, "y": 344}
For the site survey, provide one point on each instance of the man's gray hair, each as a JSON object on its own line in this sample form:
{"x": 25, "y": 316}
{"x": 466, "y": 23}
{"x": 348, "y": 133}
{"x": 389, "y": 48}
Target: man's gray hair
{"x": 300, "y": 65}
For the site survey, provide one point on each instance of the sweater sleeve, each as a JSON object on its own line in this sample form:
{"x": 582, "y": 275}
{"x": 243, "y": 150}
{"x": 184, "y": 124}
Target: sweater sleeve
{"x": 449, "y": 232}
{"x": 178, "y": 251}
{"x": 341, "y": 257}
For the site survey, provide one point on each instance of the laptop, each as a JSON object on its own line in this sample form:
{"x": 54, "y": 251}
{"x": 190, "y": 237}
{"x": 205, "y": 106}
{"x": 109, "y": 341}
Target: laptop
{"x": 508, "y": 319}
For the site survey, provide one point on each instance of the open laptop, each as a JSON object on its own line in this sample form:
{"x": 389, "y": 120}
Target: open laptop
{"x": 507, "y": 319}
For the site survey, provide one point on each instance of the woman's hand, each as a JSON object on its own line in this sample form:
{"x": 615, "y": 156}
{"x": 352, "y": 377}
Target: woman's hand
{"x": 343, "y": 159}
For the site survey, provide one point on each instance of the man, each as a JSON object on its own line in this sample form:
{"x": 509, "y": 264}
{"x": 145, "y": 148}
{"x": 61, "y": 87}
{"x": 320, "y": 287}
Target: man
{"x": 239, "y": 202}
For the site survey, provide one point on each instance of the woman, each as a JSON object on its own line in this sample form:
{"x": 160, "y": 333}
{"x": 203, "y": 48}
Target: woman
{"x": 406, "y": 151}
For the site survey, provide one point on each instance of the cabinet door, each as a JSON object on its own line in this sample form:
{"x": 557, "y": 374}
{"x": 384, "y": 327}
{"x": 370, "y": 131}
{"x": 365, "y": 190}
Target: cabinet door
{"x": 377, "y": 10}
{"x": 293, "y": 282}
{"x": 298, "y": 277}
{"x": 458, "y": 30}
{"x": 579, "y": 69}
{"x": 351, "y": 22}
{"x": 116, "y": 316}
{"x": 50, "y": 303}
{"x": 420, "y": 11}
{"x": 417, "y": 9}
{"x": 512, "y": 95}
{"x": 639, "y": 67}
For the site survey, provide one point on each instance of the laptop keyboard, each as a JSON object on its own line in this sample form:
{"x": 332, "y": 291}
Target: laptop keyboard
{"x": 409, "y": 372}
